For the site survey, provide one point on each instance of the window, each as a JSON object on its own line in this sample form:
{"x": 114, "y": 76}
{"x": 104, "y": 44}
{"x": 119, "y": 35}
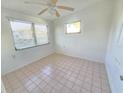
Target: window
{"x": 73, "y": 27}
{"x": 27, "y": 35}
{"x": 41, "y": 34}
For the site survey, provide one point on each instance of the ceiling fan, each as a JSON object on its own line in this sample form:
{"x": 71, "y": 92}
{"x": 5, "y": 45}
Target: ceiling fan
{"x": 52, "y": 6}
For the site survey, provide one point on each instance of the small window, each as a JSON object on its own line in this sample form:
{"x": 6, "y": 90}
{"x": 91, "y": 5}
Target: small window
{"x": 27, "y": 35}
{"x": 73, "y": 27}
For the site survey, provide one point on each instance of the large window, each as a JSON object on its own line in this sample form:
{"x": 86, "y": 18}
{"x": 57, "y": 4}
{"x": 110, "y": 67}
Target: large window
{"x": 73, "y": 27}
{"x": 27, "y": 35}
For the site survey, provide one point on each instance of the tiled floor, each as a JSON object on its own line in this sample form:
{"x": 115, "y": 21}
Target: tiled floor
{"x": 58, "y": 74}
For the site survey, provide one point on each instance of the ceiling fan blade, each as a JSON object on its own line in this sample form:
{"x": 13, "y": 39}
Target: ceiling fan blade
{"x": 57, "y": 14}
{"x": 39, "y": 3}
{"x": 66, "y": 8}
{"x": 54, "y": 1}
{"x": 44, "y": 10}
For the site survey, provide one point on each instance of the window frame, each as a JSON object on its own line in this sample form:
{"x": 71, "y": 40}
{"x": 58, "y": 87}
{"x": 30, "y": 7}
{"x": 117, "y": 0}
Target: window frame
{"x": 72, "y": 23}
{"x": 33, "y": 33}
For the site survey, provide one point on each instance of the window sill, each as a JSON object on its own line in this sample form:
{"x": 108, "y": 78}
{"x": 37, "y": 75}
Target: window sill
{"x": 32, "y": 47}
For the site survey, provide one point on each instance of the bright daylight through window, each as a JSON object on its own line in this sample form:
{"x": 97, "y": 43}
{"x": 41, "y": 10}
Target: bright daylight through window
{"x": 27, "y": 35}
{"x": 73, "y": 27}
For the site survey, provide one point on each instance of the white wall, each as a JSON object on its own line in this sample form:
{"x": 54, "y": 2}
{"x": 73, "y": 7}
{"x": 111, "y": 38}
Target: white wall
{"x": 114, "y": 56}
{"x": 12, "y": 59}
{"x": 92, "y": 42}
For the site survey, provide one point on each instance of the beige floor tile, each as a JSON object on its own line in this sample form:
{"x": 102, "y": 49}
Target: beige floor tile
{"x": 87, "y": 85}
{"x": 69, "y": 84}
{"x": 47, "y": 89}
{"x": 96, "y": 90}
{"x": 85, "y": 90}
{"x": 58, "y": 74}
{"x": 76, "y": 88}
{"x": 36, "y": 90}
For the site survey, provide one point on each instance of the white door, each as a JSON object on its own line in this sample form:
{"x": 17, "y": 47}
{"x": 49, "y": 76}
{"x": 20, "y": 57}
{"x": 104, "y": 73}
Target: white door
{"x": 117, "y": 56}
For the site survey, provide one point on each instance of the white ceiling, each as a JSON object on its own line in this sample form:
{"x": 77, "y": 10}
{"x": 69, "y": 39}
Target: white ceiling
{"x": 33, "y": 9}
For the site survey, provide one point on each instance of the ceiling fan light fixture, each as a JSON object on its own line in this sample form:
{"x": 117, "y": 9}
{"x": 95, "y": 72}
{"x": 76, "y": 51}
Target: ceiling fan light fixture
{"x": 52, "y": 7}
{"x": 52, "y": 11}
